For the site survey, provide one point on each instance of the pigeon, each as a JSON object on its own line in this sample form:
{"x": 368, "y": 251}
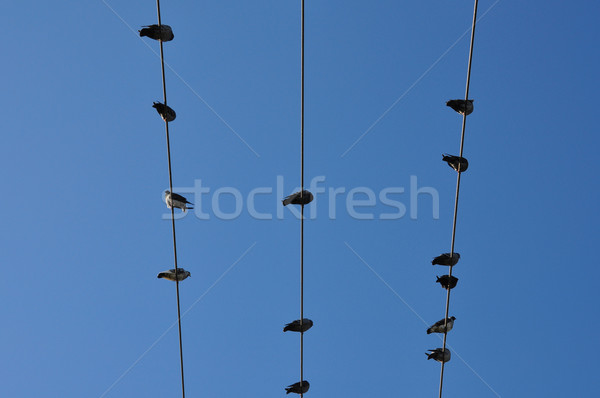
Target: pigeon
{"x": 178, "y": 201}
{"x": 298, "y": 388}
{"x": 165, "y": 111}
{"x": 438, "y": 327}
{"x": 299, "y": 198}
{"x": 162, "y": 32}
{"x": 170, "y": 274}
{"x": 461, "y": 106}
{"x": 447, "y": 281}
{"x": 295, "y": 326}
{"x": 445, "y": 259}
{"x": 439, "y": 355}
{"x": 458, "y": 163}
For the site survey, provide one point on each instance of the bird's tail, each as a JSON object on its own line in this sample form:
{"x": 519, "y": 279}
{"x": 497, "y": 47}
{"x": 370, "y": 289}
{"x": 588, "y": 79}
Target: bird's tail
{"x": 161, "y": 275}
{"x": 288, "y": 390}
{"x": 285, "y": 329}
{"x": 286, "y": 201}
{"x": 429, "y": 331}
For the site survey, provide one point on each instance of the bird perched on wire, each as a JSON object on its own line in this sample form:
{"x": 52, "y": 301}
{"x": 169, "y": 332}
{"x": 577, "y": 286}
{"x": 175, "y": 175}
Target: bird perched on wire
{"x": 165, "y": 111}
{"x": 439, "y": 355}
{"x": 162, "y": 32}
{"x": 438, "y": 327}
{"x": 296, "y": 327}
{"x": 296, "y": 388}
{"x": 458, "y": 163}
{"x": 170, "y": 275}
{"x": 447, "y": 281}
{"x": 178, "y": 201}
{"x": 461, "y": 106}
{"x": 299, "y": 198}
{"x": 446, "y": 259}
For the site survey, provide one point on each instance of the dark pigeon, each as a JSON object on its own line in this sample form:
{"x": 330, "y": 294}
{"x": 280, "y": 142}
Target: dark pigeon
{"x": 162, "y": 32}
{"x": 438, "y": 327}
{"x": 445, "y": 259}
{"x": 458, "y": 163}
{"x": 447, "y": 281}
{"x": 177, "y": 201}
{"x": 165, "y": 111}
{"x": 297, "y": 389}
{"x": 170, "y": 274}
{"x": 439, "y": 355}
{"x": 299, "y": 198}
{"x": 295, "y": 326}
{"x": 461, "y": 106}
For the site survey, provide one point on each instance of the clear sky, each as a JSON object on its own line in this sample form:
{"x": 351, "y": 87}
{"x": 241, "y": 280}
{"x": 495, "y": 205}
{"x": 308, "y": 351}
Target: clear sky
{"x": 84, "y": 168}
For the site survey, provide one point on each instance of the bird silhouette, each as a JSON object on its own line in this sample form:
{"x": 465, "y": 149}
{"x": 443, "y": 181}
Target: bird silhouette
{"x": 170, "y": 274}
{"x": 296, "y": 327}
{"x": 298, "y": 198}
{"x": 446, "y": 259}
{"x": 300, "y": 387}
{"x": 438, "y": 354}
{"x": 438, "y": 327}
{"x": 447, "y": 281}
{"x": 458, "y": 163}
{"x": 162, "y": 32}
{"x": 165, "y": 111}
{"x": 461, "y": 106}
{"x": 178, "y": 201}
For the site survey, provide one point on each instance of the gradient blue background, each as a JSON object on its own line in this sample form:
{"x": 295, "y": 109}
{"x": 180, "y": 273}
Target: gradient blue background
{"x": 84, "y": 166}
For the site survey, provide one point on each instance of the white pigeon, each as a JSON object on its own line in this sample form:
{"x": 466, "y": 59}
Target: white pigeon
{"x": 170, "y": 274}
{"x": 178, "y": 201}
{"x": 438, "y": 327}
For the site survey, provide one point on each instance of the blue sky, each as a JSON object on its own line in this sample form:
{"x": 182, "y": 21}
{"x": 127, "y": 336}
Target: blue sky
{"x": 82, "y": 144}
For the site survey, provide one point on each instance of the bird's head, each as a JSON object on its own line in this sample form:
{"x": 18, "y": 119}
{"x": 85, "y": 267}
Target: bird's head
{"x": 453, "y": 318}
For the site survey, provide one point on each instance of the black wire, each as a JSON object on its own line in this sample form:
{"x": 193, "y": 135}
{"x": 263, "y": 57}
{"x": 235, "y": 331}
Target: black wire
{"x": 302, "y": 210}
{"x": 462, "y": 141}
{"x": 164, "y": 84}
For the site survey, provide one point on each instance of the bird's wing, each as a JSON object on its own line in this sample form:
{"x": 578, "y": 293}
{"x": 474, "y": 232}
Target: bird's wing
{"x": 178, "y": 197}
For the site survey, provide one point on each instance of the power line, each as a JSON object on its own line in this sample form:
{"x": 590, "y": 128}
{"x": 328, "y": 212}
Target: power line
{"x": 301, "y": 196}
{"x": 462, "y": 141}
{"x": 164, "y": 85}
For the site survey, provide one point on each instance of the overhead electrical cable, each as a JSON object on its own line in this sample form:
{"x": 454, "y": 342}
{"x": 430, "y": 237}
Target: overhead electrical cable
{"x": 452, "y": 244}
{"x": 301, "y": 195}
{"x": 172, "y": 199}
{"x": 301, "y": 198}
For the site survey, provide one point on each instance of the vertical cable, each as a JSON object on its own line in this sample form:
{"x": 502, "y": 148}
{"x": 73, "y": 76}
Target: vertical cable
{"x": 164, "y": 84}
{"x": 301, "y": 195}
{"x": 462, "y": 141}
